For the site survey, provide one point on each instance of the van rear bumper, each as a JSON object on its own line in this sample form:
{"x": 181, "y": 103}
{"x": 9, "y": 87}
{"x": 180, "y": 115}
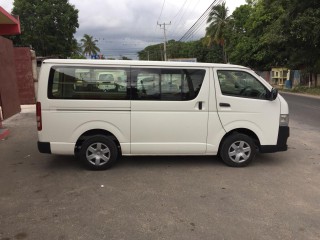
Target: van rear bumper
{"x": 44, "y": 147}
{"x": 283, "y": 134}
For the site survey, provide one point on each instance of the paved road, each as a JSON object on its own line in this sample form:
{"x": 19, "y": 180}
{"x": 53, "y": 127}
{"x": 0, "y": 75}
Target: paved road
{"x": 53, "y": 197}
{"x": 305, "y": 110}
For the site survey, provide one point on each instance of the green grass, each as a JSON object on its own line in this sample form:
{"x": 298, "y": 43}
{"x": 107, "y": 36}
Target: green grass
{"x": 304, "y": 89}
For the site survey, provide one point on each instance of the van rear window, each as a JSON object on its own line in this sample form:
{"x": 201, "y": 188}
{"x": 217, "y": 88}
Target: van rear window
{"x": 88, "y": 83}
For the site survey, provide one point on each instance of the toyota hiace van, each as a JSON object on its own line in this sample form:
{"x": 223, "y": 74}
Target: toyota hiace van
{"x": 157, "y": 108}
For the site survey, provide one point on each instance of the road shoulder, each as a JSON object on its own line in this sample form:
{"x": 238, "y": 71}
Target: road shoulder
{"x": 300, "y": 94}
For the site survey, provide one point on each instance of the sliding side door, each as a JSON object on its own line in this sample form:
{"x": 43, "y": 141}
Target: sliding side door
{"x": 169, "y": 110}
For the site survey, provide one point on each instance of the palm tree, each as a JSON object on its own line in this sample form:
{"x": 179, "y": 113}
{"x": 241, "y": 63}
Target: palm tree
{"x": 217, "y": 19}
{"x": 76, "y": 50}
{"x": 89, "y": 45}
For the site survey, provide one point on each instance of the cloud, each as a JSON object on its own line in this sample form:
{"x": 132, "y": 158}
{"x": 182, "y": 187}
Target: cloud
{"x": 132, "y": 25}
{"x": 124, "y": 27}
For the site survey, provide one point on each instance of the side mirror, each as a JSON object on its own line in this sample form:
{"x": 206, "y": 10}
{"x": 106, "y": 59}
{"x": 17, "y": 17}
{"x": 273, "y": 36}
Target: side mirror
{"x": 273, "y": 94}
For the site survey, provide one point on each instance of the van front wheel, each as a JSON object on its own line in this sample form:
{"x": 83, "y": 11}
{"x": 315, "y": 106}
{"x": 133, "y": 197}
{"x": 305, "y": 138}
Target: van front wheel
{"x": 237, "y": 150}
{"x": 98, "y": 152}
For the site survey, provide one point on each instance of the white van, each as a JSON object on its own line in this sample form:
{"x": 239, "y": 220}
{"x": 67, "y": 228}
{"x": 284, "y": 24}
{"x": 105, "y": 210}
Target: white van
{"x": 157, "y": 108}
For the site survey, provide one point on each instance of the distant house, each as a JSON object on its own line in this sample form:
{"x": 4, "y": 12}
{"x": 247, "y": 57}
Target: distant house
{"x": 279, "y": 76}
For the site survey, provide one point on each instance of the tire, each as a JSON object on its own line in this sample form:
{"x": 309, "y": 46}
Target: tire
{"x": 237, "y": 150}
{"x": 98, "y": 152}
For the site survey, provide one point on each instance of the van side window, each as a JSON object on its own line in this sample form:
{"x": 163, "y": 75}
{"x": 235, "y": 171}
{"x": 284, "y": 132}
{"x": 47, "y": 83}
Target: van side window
{"x": 88, "y": 83}
{"x": 166, "y": 84}
{"x": 148, "y": 84}
{"x": 241, "y": 84}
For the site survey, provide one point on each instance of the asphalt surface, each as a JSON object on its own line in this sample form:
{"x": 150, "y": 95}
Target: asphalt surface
{"x": 53, "y": 197}
{"x": 305, "y": 110}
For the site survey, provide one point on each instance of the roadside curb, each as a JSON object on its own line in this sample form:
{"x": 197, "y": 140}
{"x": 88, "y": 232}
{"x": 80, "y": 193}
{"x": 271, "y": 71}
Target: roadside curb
{"x": 28, "y": 108}
{"x": 4, "y": 132}
{"x": 300, "y": 94}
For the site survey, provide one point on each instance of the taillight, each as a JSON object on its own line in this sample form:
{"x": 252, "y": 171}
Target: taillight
{"x": 39, "y": 119}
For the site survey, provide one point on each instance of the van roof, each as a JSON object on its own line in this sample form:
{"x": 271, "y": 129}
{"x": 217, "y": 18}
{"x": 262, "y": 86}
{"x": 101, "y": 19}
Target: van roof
{"x": 138, "y": 63}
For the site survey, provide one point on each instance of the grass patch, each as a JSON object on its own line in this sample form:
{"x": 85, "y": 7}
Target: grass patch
{"x": 304, "y": 89}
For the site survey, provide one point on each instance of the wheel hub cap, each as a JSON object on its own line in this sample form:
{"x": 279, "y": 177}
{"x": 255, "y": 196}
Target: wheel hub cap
{"x": 98, "y": 154}
{"x": 239, "y": 151}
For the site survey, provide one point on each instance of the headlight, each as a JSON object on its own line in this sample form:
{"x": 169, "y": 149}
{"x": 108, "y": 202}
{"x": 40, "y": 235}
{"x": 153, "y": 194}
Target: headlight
{"x": 284, "y": 119}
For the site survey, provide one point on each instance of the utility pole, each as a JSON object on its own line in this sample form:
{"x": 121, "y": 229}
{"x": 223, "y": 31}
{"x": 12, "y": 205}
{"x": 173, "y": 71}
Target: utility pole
{"x": 165, "y": 38}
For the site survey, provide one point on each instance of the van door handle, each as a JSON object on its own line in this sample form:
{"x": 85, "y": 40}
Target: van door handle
{"x": 224, "y": 105}
{"x": 200, "y": 105}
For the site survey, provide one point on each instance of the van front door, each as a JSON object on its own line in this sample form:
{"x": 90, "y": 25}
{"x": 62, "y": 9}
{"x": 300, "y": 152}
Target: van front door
{"x": 169, "y": 111}
{"x": 242, "y": 102}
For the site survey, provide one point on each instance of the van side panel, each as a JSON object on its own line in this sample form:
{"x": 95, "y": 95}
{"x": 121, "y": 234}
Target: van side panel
{"x": 166, "y": 133}
{"x": 67, "y": 126}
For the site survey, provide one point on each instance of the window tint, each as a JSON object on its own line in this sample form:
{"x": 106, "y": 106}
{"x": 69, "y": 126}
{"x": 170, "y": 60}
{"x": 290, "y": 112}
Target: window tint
{"x": 166, "y": 84}
{"x": 241, "y": 84}
{"x": 88, "y": 83}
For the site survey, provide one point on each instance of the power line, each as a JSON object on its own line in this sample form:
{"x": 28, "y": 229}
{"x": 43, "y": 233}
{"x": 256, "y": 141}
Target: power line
{"x": 174, "y": 34}
{"x": 199, "y": 23}
{"x": 204, "y": 20}
{"x": 161, "y": 10}
{"x": 179, "y": 10}
{"x": 182, "y": 15}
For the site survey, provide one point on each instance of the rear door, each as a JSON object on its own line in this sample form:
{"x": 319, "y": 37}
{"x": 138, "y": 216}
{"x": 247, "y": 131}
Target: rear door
{"x": 242, "y": 103}
{"x": 169, "y": 110}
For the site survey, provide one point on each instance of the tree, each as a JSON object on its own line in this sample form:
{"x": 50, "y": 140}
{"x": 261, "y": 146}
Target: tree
{"x": 267, "y": 33}
{"x": 302, "y": 26}
{"x": 125, "y": 58}
{"x": 217, "y": 19}
{"x": 176, "y": 49}
{"x": 48, "y": 26}
{"x": 255, "y": 35}
{"x": 237, "y": 35}
{"x": 76, "y": 52}
{"x": 89, "y": 45}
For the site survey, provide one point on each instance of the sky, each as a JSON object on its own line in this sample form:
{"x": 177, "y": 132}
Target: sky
{"x": 124, "y": 27}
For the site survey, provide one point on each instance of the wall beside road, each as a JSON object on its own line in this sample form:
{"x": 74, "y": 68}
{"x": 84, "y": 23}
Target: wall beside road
{"x": 25, "y": 76}
{"x": 9, "y": 97}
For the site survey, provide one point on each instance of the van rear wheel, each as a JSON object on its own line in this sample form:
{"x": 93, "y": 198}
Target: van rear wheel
{"x": 237, "y": 150}
{"x": 98, "y": 152}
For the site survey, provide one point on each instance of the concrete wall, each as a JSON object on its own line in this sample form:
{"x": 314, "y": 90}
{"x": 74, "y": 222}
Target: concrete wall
{"x": 25, "y": 75}
{"x": 9, "y": 97}
{"x": 34, "y": 72}
{"x": 265, "y": 75}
